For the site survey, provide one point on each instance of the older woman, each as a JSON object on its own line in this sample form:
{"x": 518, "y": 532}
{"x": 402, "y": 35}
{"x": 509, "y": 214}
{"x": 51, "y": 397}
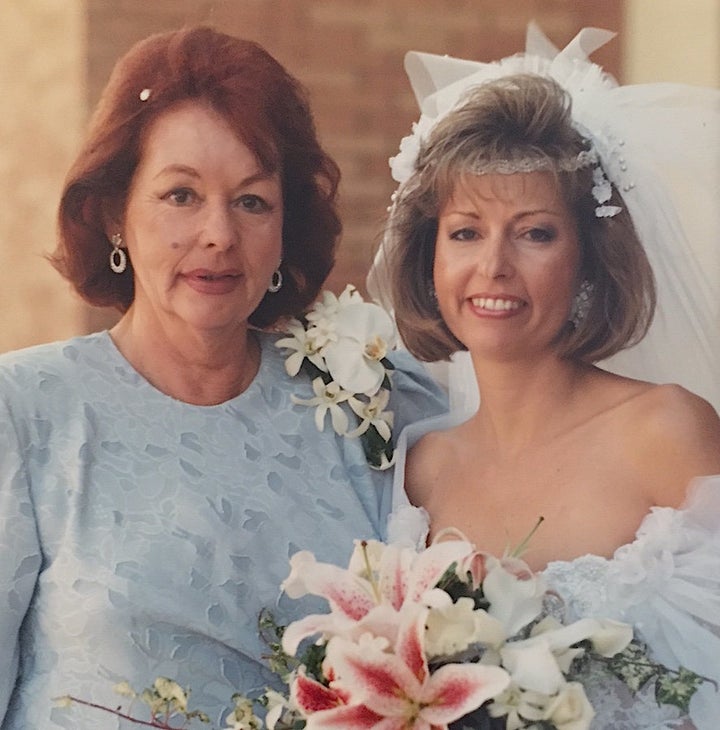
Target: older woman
{"x": 508, "y": 240}
{"x": 155, "y": 478}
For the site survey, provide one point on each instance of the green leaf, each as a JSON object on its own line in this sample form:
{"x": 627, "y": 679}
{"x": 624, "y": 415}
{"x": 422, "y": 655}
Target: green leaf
{"x": 677, "y": 688}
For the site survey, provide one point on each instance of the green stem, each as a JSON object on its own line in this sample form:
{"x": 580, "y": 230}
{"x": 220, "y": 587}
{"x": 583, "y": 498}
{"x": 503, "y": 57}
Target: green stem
{"x": 371, "y": 576}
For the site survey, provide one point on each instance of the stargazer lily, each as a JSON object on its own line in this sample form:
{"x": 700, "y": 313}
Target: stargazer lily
{"x": 375, "y": 688}
{"x": 381, "y": 579}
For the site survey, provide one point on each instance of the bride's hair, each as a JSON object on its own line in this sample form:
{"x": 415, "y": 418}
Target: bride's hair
{"x": 518, "y": 123}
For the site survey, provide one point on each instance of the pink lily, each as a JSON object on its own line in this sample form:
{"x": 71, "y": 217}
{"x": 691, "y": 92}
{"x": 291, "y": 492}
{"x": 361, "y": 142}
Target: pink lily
{"x": 370, "y": 593}
{"x": 396, "y": 691}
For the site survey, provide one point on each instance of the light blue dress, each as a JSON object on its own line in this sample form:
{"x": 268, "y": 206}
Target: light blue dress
{"x": 141, "y": 536}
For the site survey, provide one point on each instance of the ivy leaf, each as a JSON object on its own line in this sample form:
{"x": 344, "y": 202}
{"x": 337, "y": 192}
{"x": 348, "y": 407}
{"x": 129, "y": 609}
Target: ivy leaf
{"x": 677, "y": 688}
{"x": 632, "y": 666}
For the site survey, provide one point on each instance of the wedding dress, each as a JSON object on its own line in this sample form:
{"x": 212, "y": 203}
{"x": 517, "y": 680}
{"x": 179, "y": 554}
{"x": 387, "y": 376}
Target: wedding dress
{"x": 659, "y": 144}
{"x": 666, "y": 583}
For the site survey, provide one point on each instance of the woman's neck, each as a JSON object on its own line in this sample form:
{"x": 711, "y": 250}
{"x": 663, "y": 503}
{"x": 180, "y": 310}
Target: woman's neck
{"x": 523, "y": 405}
{"x": 198, "y": 368}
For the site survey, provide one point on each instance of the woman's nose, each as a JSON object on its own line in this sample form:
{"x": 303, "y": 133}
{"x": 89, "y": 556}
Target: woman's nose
{"x": 219, "y": 229}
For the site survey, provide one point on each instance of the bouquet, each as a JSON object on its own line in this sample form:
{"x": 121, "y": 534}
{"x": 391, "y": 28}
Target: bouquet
{"x": 425, "y": 640}
{"x": 342, "y": 344}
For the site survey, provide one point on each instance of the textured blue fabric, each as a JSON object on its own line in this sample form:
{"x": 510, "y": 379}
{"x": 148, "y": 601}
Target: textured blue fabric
{"x": 141, "y": 536}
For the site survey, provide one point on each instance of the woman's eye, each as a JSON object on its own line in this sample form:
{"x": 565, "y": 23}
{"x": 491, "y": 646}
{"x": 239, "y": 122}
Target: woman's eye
{"x": 180, "y": 196}
{"x": 253, "y": 203}
{"x": 464, "y": 234}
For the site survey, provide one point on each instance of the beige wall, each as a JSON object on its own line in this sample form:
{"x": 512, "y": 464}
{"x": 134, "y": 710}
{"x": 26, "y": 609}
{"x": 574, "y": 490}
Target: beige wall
{"x": 672, "y": 40}
{"x": 43, "y": 92}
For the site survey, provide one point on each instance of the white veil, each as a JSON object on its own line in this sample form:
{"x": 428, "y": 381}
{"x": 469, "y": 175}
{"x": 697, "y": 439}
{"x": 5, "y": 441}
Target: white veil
{"x": 659, "y": 144}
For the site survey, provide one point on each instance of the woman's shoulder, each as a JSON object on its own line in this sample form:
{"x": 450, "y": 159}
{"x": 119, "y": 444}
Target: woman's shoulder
{"x": 50, "y": 353}
{"x": 53, "y": 357}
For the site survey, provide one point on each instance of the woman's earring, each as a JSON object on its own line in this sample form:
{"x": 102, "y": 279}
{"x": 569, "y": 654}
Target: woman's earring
{"x": 276, "y": 282}
{"x": 118, "y": 257}
{"x": 581, "y": 303}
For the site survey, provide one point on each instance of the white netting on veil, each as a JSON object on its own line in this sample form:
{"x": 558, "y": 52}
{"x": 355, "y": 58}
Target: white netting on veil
{"x": 659, "y": 144}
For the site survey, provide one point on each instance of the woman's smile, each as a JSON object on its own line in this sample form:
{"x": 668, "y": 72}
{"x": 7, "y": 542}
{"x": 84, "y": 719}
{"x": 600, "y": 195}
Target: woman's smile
{"x": 215, "y": 283}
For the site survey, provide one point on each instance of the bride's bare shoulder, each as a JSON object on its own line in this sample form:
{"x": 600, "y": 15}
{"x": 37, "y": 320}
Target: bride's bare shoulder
{"x": 428, "y": 461}
{"x": 674, "y": 436}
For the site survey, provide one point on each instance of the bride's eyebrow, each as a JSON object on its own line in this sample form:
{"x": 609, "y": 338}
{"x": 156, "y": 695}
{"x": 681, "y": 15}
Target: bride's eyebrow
{"x": 538, "y": 211}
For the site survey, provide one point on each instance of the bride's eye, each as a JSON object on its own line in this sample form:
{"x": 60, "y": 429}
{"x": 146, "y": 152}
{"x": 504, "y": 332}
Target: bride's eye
{"x": 540, "y": 234}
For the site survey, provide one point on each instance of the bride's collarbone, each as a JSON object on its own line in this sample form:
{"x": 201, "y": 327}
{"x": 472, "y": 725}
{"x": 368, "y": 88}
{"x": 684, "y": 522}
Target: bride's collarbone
{"x": 590, "y": 502}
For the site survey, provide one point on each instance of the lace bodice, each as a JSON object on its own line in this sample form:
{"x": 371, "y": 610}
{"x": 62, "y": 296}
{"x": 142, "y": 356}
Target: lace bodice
{"x": 582, "y": 584}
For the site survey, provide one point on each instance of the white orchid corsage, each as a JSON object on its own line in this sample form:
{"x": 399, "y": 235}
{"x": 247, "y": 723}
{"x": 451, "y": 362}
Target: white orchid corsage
{"x": 342, "y": 344}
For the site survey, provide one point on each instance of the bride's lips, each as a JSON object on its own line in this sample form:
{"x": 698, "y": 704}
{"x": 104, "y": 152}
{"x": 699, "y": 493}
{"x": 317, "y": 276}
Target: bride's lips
{"x": 496, "y": 305}
{"x": 206, "y": 281}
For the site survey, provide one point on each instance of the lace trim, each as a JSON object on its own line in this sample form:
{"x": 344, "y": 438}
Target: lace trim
{"x": 586, "y": 158}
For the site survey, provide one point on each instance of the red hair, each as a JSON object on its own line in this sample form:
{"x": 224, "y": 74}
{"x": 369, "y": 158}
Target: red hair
{"x": 262, "y": 102}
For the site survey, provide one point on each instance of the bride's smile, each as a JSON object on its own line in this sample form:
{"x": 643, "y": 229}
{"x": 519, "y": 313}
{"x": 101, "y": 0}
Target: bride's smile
{"x": 506, "y": 263}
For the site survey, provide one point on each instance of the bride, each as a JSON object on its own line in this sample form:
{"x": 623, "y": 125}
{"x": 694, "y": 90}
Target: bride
{"x": 533, "y": 223}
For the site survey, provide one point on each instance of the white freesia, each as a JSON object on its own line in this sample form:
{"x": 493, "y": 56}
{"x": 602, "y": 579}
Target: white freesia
{"x": 328, "y": 398}
{"x": 304, "y": 346}
{"x": 452, "y": 628}
{"x": 563, "y": 657}
{"x": 532, "y": 666}
{"x": 570, "y": 709}
{"x": 327, "y": 307}
{"x": 322, "y": 318}
{"x": 342, "y": 343}
{"x": 607, "y": 637}
{"x": 518, "y": 706}
{"x": 365, "y": 335}
{"x": 373, "y": 413}
{"x": 611, "y": 637}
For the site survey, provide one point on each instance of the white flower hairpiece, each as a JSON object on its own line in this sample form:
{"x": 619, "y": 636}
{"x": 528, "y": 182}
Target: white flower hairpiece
{"x": 447, "y": 87}
{"x": 342, "y": 344}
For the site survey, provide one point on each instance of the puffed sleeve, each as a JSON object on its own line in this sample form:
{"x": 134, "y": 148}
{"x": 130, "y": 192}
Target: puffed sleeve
{"x": 417, "y": 400}
{"x": 20, "y": 551}
{"x": 667, "y": 584}
{"x": 415, "y": 394}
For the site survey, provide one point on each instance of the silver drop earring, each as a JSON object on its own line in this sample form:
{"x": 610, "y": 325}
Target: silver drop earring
{"x": 581, "y": 303}
{"x": 276, "y": 282}
{"x": 118, "y": 257}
